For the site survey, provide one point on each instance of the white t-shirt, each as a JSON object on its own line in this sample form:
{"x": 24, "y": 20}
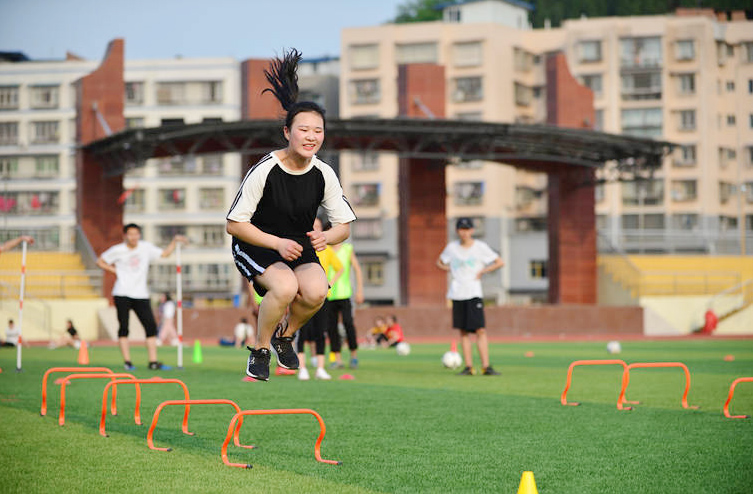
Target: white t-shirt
{"x": 12, "y": 334}
{"x": 168, "y": 309}
{"x": 132, "y": 266}
{"x": 243, "y": 330}
{"x": 465, "y": 263}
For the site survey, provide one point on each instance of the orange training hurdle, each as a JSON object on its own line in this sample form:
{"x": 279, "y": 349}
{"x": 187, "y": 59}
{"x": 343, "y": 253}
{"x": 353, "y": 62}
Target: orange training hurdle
{"x": 43, "y": 411}
{"x": 155, "y": 418}
{"x": 153, "y": 380}
{"x": 113, "y": 376}
{"x": 232, "y": 429}
{"x": 729, "y": 397}
{"x": 626, "y": 381}
{"x": 576, "y": 363}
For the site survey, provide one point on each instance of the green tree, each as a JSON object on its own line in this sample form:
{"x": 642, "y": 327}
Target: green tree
{"x": 419, "y": 11}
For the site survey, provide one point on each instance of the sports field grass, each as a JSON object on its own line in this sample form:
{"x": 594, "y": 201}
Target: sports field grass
{"x": 404, "y": 424}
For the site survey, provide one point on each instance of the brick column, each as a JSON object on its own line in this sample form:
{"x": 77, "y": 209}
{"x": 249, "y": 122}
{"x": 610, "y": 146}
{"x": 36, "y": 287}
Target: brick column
{"x": 423, "y": 220}
{"x": 98, "y": 211}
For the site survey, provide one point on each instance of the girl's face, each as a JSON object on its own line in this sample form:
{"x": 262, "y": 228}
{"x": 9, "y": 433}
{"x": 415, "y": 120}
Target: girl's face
{"x": 306, "y": 134}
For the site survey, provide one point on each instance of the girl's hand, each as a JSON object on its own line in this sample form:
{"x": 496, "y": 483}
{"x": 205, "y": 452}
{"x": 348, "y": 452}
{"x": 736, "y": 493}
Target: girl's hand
{"x": 318, "y": 240}
{"x": 290, "y": 250}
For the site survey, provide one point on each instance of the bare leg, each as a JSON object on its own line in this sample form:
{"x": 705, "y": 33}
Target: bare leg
{"x": 125, "y": 349}
{"x": 151, "y": 348}
{"x": 312, "y": 290}
{"x": 465, "y": 344}
{"x": 483, "y": 347}
{"x": 282, "y": 287}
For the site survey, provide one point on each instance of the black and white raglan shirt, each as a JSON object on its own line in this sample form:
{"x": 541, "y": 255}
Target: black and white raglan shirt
{"x": 284, "y": 202}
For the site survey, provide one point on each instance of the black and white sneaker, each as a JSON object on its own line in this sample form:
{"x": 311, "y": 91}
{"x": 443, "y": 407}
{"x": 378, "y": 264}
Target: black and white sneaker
{"x": 258, "y": 364}
{"x": 287, "y": 358}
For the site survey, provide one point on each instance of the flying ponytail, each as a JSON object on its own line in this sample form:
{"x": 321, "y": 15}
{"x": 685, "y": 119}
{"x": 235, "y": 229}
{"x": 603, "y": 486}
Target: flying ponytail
{"x": 282, "y": 76}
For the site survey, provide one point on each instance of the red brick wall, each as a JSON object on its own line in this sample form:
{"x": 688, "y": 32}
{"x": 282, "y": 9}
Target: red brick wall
{"x": 98, "y": 210}
{"x": 569, "y": 104}
{"x": 423, "y": 227}
{"x": 254, "y": 104}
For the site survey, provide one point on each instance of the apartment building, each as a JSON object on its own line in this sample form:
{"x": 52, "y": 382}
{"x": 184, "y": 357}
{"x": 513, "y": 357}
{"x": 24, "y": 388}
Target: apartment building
{"x": 683, "y": 78}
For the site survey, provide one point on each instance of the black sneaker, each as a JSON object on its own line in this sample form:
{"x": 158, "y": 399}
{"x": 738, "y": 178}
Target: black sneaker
{"x": 158, "y": 366}
{"x": 129, "y": 366}
{"x": 283, "y": 347}
{"x": 489, "y": 371}
{"x": 468, "y": 371}
{"x": 258, "y": 364}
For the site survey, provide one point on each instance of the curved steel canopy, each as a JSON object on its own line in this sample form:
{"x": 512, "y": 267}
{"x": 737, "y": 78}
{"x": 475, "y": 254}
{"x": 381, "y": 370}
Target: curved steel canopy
{"x": 523, "y": 145}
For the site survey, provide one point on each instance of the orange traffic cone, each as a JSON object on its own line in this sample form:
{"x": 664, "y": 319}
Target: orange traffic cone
{"x": 527, "y": 484}
{"x": 83, "y": 354}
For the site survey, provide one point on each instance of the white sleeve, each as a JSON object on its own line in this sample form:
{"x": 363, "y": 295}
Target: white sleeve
{"x": 334, "y": 202}
{"x": 446, "y": 255}
{"x": 487, "y": 253}
{"x": 154, "y": 251}
{"x": 250, "y": 193}
{"x": 110, "y": 255}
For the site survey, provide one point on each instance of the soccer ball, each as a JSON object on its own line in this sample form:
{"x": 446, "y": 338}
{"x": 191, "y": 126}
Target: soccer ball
{"x": 451, "y": 360}
{"x": 614, "y": 347}
{"x": 402, "y": 349}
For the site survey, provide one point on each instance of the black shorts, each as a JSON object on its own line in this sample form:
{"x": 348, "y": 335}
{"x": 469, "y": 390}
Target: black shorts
{"x": 468, "y": 315}
{"x": 252, "y": 260}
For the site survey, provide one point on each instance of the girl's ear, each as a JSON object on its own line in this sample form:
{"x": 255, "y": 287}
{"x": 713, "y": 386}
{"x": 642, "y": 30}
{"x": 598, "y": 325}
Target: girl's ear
{"x": 286, "y": 132}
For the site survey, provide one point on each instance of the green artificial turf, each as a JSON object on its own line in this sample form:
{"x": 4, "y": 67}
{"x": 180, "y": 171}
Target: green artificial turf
{"x": 403, "y": 424}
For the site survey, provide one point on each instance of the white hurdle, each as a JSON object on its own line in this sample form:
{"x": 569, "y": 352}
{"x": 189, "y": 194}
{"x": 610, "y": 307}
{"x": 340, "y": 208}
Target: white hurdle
{"x": 179, "y": 302}
{"x": 21, "y": 307}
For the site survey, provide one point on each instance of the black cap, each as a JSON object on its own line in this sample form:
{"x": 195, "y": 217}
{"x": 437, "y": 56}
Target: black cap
{"x": 464, "y": 223}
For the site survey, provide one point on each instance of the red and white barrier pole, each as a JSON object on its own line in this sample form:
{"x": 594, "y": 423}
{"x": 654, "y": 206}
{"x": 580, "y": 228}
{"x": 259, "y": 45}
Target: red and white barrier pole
{"x": 21, "y": 307}
{"x": 179, "y": 302}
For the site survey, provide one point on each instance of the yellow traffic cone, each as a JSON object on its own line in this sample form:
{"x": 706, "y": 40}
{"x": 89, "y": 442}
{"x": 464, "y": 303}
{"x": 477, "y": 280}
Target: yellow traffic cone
{"x": 197, "y": 358}
{"x": 83, "y": 354}
{"x": 527, "y": 484}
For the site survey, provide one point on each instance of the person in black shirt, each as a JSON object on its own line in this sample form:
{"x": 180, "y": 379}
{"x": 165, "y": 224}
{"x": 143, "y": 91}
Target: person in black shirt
{"x": 274, "y": 244}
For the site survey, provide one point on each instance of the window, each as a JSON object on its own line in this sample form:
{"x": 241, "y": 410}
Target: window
{"x": 522, "y": 60}
{"x": 209, "y": 235}
{"x": 364, "y": 91}
{"x": 537, "y": 269}
{"x": 8, "y": 133}
{"x": 748, "y": 52}
{"x": 687, "y": 155}
{"x": 749, "y": 191}
{"x": 212, "y": 164}
{"x": 165, "y": 233}
{"x": 641, "y": 52}
{"x": 468, "y": 193}
{"x": 726, "y": 156}
{"x": 593, "y": 82}
{"x": 730, "y": 119}
{"x": 8, "y": 166}
{"x": 684, "y": 190}
{"x": 368, "y": 228}
{"x": 590, "y": 51}
{"x": 727, "y": 223}
{"x": 172, "y": 122}
{"x": 373, "y": 271}
{"x": 189, "y": 93}
{"x": 641, "y": 86}
{"x": 211, "y": 198}
{"x": 726, "y": 190}
{"x": 687, "y": 120}
{"x": 364, "y": 57}
{"x": 654, "y": 221}
{"x": 475, "y": 116}
{"x": 467, "y": 54}
{"x": 645, "y": 122}
{"x": 686, "y": 84}
{"x": 44, "y": 132}
{"x": 134, "y": 122}
{"x": 644, "y": 192}
{"x": 211, "y": 92}
{"x": 177, "y": 165}
{"x": 730, "y": 85}
{"x": 750, "y": 86}
{"x": 366, "y": 194}
{"x": 599, "y": 120}
{"x": 29, "y": 202}
{"x": 467, "y": 89}
{"x": 46, "y": 166}
{"x": 685, "y": 49}
{"x": 134, "y": 93}
{"x": 8, "y": 97}
{"x": 172, "y": 199}
{"x": 523, "y": 95}
{"x": 749, "y": 153}
{"x": 685, "y": 221}
{"x": 135, "y": 201}
{"x": 525, "y": 196}
{"x": 532, "y": 224}
{"x": 43, "y": 97}
{"x": 453, "y": 14}
{"x": 416, "y": 53}
{"x": 365, "y": 161}
{"x": 170, "y": 93}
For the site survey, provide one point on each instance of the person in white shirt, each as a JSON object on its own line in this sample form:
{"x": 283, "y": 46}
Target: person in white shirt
{"x": 129, "y": 261}
{"x": 467, "y": 260}
{"x": 167, "y": 331}
{"x": 244, "y": 334}
{"x": 12, "y": 334}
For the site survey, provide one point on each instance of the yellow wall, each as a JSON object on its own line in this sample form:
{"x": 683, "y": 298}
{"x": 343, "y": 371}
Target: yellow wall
{"x": 83, "y": 313}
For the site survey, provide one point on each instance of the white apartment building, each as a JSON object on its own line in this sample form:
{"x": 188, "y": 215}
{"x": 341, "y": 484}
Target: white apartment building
{"x": 684, "y": 79}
